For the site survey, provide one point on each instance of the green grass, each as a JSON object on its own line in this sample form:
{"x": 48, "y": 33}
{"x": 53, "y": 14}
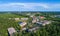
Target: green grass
{"x": 9, "y": 16}
{"x": 5, "y": 23}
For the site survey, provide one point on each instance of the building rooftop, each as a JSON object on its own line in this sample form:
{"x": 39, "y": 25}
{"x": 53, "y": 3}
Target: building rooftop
{"x": 22, "y": 23}
{"x": 11, "y": 30}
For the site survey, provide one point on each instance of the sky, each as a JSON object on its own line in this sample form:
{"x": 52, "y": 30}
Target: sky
{"x": 29, "y": 5}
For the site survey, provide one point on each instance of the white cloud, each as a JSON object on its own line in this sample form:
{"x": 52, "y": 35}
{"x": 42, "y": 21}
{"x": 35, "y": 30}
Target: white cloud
{"x": 28, "y": 6}
{"x": 55, "y": 6}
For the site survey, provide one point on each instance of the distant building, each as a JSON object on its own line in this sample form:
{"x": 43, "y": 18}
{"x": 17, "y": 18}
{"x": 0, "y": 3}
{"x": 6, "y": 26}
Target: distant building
{"x": 32, "y": 16}
{"x": 33, "y": 29}
{"x": 28, "y": 14}
{"x": 11, "y": 31}
{"x": 58, "y": 16}
{"x": 24, "y": 18}
{"x": 40, "y": 23}
{"x": 16, "y": 19}
{"x": 24, "y": 28}
{"x": 22, "y": 24}
{"x": 43, "y": 22}
{"x": 46, "y": 22}
{"x": 42, "y": 17}
{"x": 35, "y": 19}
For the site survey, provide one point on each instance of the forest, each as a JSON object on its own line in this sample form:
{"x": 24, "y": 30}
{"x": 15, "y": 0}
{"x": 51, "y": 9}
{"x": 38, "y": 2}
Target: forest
{"x": 52, "y": 29}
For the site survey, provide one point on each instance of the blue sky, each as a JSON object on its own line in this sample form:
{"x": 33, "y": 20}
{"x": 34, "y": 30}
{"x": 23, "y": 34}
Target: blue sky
{"x": 29, "y": 5}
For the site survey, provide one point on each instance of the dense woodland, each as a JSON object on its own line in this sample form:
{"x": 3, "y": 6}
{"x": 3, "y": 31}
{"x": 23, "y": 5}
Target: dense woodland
{"x": 52, "y": 29}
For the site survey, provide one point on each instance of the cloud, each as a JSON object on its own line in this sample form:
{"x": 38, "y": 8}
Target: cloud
{"x": 26, "y": 5}
{"x": 55, "y": 6}
{"x": 29, "y": 7}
